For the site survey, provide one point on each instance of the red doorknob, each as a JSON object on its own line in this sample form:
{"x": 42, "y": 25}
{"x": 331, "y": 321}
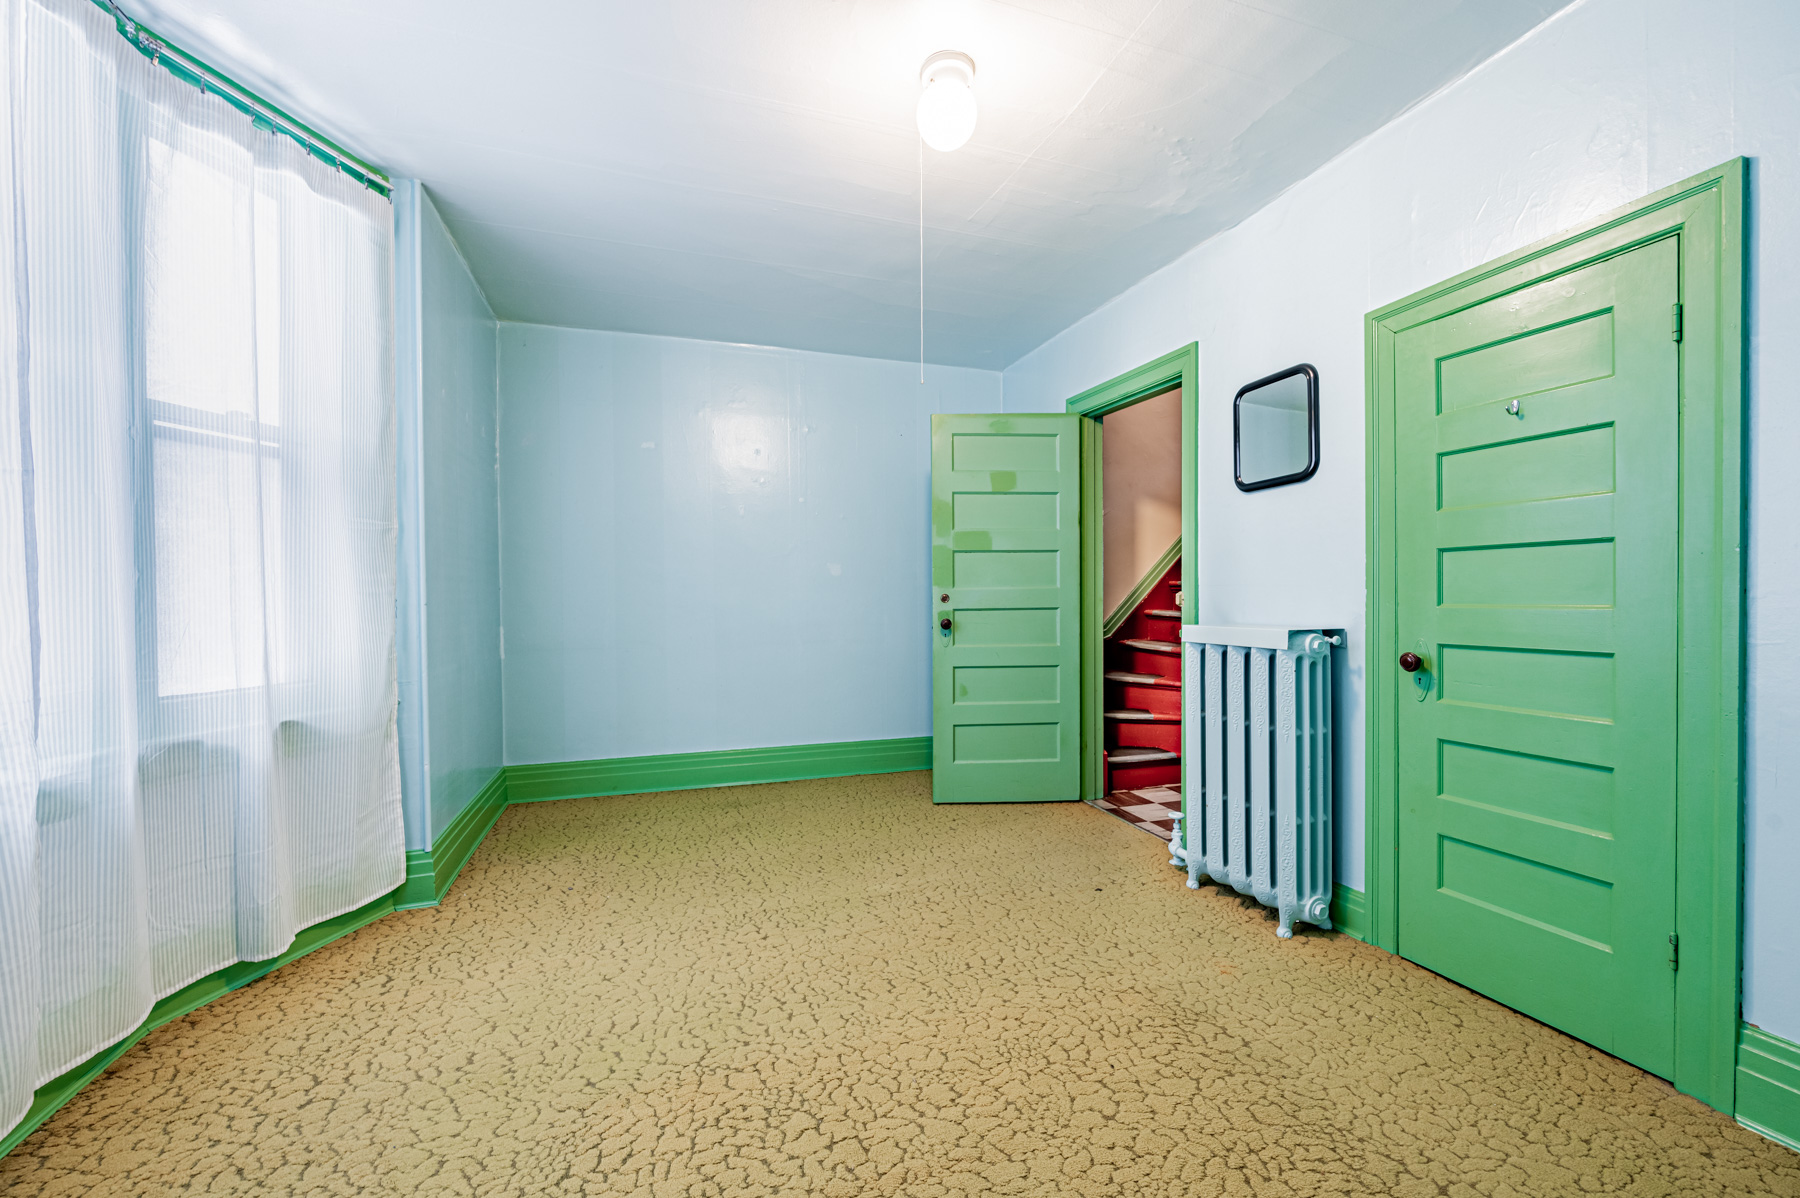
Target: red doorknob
{"x": 1410, "y": 662}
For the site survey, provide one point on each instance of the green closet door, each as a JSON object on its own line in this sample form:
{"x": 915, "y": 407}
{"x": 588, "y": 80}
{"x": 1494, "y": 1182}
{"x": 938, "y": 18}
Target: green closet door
{"x": 1536, "y": 517}
{"x": 1005, "y": 608}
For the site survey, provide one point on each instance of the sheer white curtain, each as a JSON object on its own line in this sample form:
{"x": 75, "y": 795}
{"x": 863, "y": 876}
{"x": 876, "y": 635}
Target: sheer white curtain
{"x": 197, "y": 699}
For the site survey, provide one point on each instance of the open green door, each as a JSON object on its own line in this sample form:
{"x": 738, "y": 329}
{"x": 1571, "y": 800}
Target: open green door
{"x": 1005, "y": 608}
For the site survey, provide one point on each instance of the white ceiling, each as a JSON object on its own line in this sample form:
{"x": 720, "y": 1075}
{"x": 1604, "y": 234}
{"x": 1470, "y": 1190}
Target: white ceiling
{"x": 746, "y": 170}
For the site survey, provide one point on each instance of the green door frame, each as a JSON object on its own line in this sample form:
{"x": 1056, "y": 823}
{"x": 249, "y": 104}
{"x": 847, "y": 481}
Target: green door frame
{"x": 1180, "y": 368}
{"x": 1706, "y": 213}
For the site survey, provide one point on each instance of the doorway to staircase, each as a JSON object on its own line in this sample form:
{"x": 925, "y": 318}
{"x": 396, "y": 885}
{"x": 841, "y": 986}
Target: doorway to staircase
{"x": 1140, "y": 568}
{"x": 1146, "y": 415}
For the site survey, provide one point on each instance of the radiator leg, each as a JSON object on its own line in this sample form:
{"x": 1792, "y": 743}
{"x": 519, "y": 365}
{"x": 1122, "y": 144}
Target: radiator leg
{"x": 1286, "y": 930}
{"x": 1193, "y": 864}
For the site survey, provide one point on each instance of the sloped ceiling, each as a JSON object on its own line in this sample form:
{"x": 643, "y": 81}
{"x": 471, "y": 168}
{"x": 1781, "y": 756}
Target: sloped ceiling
{"x": 747, "y": 170}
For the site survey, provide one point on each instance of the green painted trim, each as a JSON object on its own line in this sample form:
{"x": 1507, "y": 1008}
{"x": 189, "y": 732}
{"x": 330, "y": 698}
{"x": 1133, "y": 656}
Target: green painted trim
{"x": 184, "y": 66}
{"x": 1136, "y": 596}
{"x": 728, "y": 767}
{"x": 1178, "y": 368}
{"x": 1349, "y": 912}
{"x": 1381, "y": 850}
{"x": 1093, "y": 642}
{"x": 58, "y": 1090}
{"x": 1175, "y": 368}
{"x": 1768, "y": 1085}
{"x": 429, "y": 872}
{"x": 419, "y": 889}
{"x": 1707, "y": 213}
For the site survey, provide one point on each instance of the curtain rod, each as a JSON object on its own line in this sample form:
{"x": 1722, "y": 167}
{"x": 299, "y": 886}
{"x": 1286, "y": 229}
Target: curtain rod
{"x": 262, "y": 114}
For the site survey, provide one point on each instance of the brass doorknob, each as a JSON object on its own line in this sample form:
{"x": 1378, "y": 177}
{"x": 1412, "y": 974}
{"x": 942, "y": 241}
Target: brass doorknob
{"x": 1410, "y": 662}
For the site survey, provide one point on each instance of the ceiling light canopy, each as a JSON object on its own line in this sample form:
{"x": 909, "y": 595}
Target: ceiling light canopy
{"x": 947, "y": 102}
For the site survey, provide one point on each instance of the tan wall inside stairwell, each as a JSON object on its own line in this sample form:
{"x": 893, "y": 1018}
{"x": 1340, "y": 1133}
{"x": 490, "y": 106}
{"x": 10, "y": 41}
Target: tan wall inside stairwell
{"x": 1140, "y": 474}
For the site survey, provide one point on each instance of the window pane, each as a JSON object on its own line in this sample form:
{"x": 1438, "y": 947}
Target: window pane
{"x": 212, "y": 332}
{"x": 200, "y": 288}
{"x": 209, "y": 553}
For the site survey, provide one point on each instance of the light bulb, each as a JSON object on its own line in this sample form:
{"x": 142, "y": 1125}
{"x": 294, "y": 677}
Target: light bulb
{"x": 947, "y": 104}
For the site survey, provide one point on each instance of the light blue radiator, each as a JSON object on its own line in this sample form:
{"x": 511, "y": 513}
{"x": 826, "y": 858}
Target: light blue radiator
{"x": 1256, "y": 730}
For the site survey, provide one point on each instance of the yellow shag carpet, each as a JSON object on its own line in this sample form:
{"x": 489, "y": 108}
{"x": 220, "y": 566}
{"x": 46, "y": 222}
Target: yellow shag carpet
{"x": 835, "y": 988}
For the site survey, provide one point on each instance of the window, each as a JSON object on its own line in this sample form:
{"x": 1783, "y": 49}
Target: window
{"x": 212, "y": 357}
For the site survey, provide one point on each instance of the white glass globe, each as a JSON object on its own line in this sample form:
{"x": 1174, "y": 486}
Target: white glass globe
{"x": 947, "y": 110}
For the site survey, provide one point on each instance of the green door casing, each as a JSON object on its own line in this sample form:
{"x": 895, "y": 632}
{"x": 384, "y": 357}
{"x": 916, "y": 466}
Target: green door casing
{"x": 1005, "y": 608}
{"x": 1536, "y": 551}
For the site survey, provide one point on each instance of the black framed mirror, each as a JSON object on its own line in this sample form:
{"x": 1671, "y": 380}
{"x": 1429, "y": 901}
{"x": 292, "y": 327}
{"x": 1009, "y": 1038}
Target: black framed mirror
{"x": 1275, "y": 429}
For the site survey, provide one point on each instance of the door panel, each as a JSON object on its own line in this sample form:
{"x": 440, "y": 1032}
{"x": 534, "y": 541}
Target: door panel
{"x": 1005, "y": 544}
{"x": 1536, "y": 571}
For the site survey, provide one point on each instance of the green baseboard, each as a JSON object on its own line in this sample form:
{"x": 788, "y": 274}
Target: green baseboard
{"x": 1768, "y": 1085}
{"x": 429, "y": 872}
{"x": 58, "y": 1090}
{"x": 1350, "y": 912}
{"x": 420, "y": 887}
{"x": 727, "y": 767}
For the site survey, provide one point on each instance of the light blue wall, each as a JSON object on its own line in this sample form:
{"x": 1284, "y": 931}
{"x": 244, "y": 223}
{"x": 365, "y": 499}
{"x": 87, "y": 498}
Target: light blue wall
{"x": 711, "y": 546}
{"x": 462, "y": 526}
{"x": 449, "y": 662}
{"x": 1599, "y": 106}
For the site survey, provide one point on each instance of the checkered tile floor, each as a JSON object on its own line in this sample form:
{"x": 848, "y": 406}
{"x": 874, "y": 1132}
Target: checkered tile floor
{"x": 1153, "y": 809}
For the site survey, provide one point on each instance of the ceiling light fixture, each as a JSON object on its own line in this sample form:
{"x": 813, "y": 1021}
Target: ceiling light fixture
{"x": 946, "y": 116}
{"x": 947, "y": 108}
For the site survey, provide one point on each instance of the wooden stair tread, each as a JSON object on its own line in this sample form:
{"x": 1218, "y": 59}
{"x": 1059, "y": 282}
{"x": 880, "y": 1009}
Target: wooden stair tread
{"x": 1152, "y": 646}
{"x": 1143, "y": 679}
{"x": 1156, "y": 759}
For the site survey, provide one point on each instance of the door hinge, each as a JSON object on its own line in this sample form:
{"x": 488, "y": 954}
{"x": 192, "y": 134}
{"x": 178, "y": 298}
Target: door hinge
{"x": 1674, "y": 951}
{"x": 1675, "y": 323}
